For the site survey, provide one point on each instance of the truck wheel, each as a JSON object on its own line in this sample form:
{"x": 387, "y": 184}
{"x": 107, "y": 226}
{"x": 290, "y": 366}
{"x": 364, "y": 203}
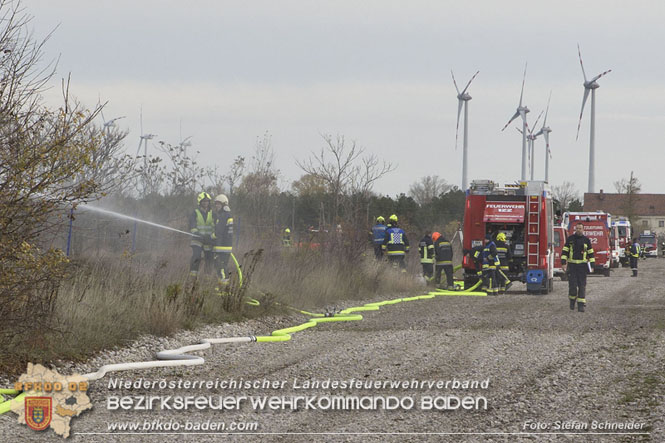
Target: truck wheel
{"x": 564, "y": 277}
{"x": 606, "y": 272}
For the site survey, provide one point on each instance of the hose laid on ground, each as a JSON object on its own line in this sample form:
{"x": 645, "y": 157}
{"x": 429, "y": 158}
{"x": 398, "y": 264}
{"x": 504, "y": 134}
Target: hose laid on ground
{"x": 181, "y": 356}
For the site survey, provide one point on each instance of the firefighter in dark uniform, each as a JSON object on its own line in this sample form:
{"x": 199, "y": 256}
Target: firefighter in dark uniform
{"x": 378, "y": 234}
{"x": 490, "y": 263}
{"x": 577, "y": 256}
{"x": 634, "y": 256}
{"x": 223, "y": 237}
{"x": 396, "y": 245}
{"x": 443, "y": 251}
{"x": 202, "y": 225}
{"x": 426, "y": 252}
{"x": 503, "y": 252}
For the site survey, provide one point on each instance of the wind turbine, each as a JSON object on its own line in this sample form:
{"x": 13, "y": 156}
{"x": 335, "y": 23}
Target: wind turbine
{"x": 144, "y": 141}
{"x": 531, "y": 138}
{"x": 521, "y": 112}
{"x": 545, "y": 132}
{"x": 590, "y": 85}
{"x": 463, "y": 100}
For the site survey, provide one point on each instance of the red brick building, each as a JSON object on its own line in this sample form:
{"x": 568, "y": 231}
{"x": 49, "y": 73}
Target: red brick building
{"x": 648, "y": 209}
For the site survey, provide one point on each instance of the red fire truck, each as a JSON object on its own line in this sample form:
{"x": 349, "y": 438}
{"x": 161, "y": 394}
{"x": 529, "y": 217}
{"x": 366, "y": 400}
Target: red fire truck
{"x": 523, "y": 212}
{"x": 597, "y": 227}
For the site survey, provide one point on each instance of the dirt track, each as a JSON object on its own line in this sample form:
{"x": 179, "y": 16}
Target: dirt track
{"x": 545, "y": 364}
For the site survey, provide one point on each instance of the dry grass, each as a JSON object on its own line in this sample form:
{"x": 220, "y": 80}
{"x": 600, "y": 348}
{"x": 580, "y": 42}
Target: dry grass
{"x": 110, "y": 301}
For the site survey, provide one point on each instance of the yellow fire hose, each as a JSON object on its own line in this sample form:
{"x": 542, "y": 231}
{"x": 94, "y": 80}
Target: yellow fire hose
{"x": 180, "y": 356}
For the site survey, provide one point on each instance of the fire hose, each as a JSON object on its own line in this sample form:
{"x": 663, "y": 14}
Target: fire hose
{"x": 182, "y": 357}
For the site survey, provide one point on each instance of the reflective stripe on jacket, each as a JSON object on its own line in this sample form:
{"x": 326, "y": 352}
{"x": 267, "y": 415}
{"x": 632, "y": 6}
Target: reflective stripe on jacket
{"x": 577, "y": 249}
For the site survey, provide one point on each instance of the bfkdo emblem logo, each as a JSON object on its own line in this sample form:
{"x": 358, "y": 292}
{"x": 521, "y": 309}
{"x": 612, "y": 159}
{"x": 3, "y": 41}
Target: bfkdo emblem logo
{"x": 38, "y": 412}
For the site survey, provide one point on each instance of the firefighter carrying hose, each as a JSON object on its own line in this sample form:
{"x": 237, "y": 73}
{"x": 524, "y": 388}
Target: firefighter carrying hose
{"x": 443, "y": 251}
{"x": 202, "y": 225}
{"x": 577, "y": 255}
{"x": 426, "y": 252}
{"x": 503, "y": 252}
{"x": 490, "y": 263}
{"x": 396, "y": 245}
{"x": 223, "y": 236}
{"x": 634, "y": 256}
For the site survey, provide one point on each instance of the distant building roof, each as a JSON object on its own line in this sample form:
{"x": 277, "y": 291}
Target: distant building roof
{"x": 619, "y": 204}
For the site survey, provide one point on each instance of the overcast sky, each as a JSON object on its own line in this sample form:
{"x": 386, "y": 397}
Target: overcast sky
{"x": 377, "y": 72}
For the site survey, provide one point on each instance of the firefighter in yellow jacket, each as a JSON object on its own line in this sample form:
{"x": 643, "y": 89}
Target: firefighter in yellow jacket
{"x": 202, "y": 225}
{"x": 577, "y": 257}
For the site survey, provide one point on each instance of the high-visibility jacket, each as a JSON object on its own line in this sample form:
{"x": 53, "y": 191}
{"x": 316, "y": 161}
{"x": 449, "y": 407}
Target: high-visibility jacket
{"x": 635, "y": 250}
{"x": 443, "y": 251}
{"x": 286, "y": 239}
{"x": 223, "y": 231}
{"x": 490, "y": 256}
{"x": 395, "y": 243}
{"x": 201, "y": 223}
{"x": 426, "y": 249}
{"x": 577, "y": 249}
{"x": 503, "y": 253}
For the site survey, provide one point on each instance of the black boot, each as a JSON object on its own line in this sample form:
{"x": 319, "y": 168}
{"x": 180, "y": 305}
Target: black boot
{"x": 634, "y": 273}
{"x": 572, "y": 304}
{"x": 580, "y": 307}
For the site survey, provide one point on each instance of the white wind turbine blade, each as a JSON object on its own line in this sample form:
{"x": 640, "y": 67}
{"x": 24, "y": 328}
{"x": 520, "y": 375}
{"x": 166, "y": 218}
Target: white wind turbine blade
{"x": 454, "y": 82}
{"x": 459, "y": 108}
{"x": 547, "y": 109}
{"x": 523, "y": 80}
{"x": 536, "y": 123}
{"x": 600, "y": 75}
{"x": 517, "y": 114}
{"x": 469, "y": 84}
{"x": 579, "y": 123}
{"x": 581, "y": 64}
{"x": 460, "y": 103}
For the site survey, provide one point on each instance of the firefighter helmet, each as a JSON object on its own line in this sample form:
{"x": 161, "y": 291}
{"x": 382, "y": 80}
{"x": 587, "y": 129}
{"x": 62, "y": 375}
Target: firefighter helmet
{"x": 435, "y": 236}
{"x": 393, "y": 218}
{"x": 501, "y": 236}
{"x": 223, "y": 199}
{"x": 380, "y": 219}
{"x": 203, "y": 196}
{"x": 287, "y": 230}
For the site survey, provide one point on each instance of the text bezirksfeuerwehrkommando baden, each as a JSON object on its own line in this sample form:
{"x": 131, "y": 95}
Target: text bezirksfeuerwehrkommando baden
{"x": 296, "y": 384}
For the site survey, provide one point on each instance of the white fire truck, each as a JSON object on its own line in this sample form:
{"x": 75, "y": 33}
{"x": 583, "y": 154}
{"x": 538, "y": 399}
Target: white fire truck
{"x": 524, "y": 213}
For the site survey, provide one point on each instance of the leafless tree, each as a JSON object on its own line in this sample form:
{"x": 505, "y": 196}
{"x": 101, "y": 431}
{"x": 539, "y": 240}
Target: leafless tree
{"x": 565, "y": 194}
{"x": 631, "y": 187}
{"x": 337, "y": 166}
{"x": 427, "y": 188}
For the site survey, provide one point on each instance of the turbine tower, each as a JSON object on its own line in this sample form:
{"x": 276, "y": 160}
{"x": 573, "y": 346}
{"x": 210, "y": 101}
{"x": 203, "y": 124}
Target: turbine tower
{"x": 521, "y": 112}
{"x": 463, "y": 100}
{"x": 545, "y": 132}
{"x": 144, "y": 141}
{"x": 590, "y": 86}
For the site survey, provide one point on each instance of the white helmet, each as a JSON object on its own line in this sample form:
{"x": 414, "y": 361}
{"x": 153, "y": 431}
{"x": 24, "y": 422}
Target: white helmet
{"x": 222, "y": 199}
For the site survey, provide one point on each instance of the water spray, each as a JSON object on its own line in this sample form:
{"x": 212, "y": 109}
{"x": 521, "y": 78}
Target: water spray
{"x": 138, "y": 220}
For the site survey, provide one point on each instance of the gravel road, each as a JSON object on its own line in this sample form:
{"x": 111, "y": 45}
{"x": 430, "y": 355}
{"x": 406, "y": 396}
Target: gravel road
{"x": 550, "y": 371}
